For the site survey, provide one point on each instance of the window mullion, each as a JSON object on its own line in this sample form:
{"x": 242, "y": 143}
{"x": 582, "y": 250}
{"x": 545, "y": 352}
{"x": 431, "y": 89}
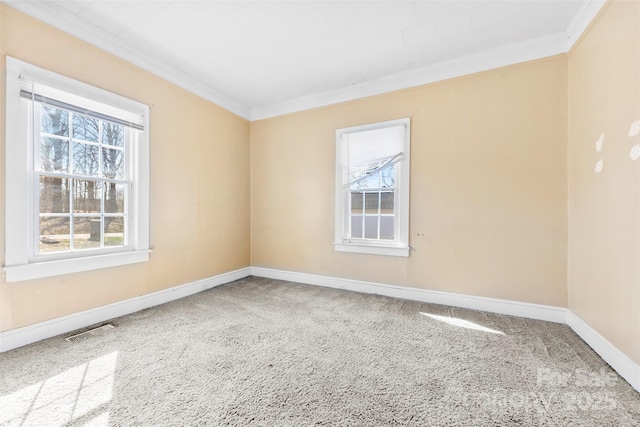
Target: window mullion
{"x": 72, "y": 190}
{"x": 127, "y": 222}
{"x": 103, "y": 187}
{"x": 35, "y": 185}
{"x": 364, "y": 213}
{"x": 72, "y": 186}
{"x": 348, "y": 213}
{"x": 379, "y": 202}
{"x": 397, "y": 202}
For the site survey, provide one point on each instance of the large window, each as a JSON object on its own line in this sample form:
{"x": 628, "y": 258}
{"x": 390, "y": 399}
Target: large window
{"x": 372, "y": 188}
{"x": 76, "y": 176}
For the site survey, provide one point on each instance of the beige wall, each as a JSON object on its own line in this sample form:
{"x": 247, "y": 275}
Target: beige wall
{"x": 495, "y": 158}
{"x": 488, "y": 186}
{"x": 199, "y": 162}
{"x": 604, "y": 208}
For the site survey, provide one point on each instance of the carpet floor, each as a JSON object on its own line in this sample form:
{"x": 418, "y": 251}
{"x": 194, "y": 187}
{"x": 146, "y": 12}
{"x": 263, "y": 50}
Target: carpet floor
{"x": 272, "y": 353}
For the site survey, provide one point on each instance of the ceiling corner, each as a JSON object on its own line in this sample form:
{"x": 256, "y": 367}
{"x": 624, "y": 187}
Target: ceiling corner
{"x": 51, "y": 14}
{"x": 582, "y": 21}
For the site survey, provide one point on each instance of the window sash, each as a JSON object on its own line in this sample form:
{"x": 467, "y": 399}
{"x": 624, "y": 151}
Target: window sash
{"x": 21, "y": 195}
{"x": 362, "y": 214}
{"x": 394, "y": 161}
{"x": 74, "y": 108}
{"x": 396, "y": 154}
{"x": 36, "y": 253}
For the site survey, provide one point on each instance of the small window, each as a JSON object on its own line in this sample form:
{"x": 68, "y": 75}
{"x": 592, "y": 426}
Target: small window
{"x": 76, "y": 176}
{"x": 372, "y": 188}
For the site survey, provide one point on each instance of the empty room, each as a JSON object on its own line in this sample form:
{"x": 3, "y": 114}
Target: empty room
{"x": 291, "y": 213}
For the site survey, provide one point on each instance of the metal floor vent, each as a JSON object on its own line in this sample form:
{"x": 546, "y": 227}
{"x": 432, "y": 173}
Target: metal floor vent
{"x": 91, "y": 332}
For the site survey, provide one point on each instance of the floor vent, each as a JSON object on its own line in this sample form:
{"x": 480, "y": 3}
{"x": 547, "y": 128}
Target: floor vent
{"x": 91, "y": 332}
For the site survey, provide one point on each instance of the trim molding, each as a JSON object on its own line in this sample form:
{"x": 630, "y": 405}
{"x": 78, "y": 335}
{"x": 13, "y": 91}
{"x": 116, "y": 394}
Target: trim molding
{"x": 492, "y": 305}
{"x": 624, "y": 366}
{"x": 29, "y": 334}
{"x": 582, "y": 22}
{"x": 529, "y": 50}
{"x": 619, "y": 361}
{"x": 552, "y": 44}
{"x": 50, "y": 14}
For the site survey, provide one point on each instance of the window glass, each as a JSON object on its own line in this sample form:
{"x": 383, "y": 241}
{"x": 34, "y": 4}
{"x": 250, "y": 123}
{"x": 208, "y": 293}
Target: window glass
{"x": 55, "y": 232}
{"x": 54, "y": 154}
{"x": 101, "y": 160}
{"x": 86, "y": 128}
{"x": 54, "y": 121}
{"x": 77, "y": 176}
{"x": 372, "y": 182}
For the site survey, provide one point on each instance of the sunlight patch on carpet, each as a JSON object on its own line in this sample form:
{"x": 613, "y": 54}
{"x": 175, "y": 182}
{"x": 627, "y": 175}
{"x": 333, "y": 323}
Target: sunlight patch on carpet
{"x": 462, "y": 323}
{"x": 70, "y": 395}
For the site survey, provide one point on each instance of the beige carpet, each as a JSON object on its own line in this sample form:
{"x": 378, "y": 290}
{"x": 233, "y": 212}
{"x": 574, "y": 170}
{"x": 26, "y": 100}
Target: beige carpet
{"x": 272, "y": 353}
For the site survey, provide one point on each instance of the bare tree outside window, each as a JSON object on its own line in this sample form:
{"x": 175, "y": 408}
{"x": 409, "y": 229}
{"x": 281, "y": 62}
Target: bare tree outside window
{"x": 86, "y": 208}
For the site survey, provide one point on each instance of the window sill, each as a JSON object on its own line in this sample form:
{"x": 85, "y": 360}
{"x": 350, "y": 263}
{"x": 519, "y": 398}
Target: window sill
{"x": 402, "y": 251}
{"x": 37, "y": 270}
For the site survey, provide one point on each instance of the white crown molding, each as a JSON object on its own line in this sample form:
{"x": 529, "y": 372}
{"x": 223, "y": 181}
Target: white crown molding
{"x": 553, "y": 44}
{"x": 19, "y": 337}
{"x": 49, "y": 13}
{"x": 529, "y": 50}
{"x": 516, "y": 53}
{"x": 582, "y": 21}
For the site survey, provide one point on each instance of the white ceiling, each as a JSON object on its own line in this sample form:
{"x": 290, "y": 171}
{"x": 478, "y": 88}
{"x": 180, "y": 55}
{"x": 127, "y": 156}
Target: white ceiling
{"x": 264, "y": 58}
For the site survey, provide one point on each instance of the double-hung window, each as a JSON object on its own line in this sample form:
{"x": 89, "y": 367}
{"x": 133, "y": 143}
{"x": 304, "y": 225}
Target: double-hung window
{"x": 76, "y": 176}
{"x": 372, "y": 188}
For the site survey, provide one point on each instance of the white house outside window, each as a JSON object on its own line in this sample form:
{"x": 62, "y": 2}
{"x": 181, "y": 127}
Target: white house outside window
{"x": 372, "y": 188}
{"x": 76, "y": 176}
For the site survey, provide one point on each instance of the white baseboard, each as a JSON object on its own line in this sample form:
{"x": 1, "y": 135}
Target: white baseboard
{"x": 627, "y": 369}
{"x": 492, "y": 305}
{"x": 619, "y": 361}
{"x": 29, "y": 334}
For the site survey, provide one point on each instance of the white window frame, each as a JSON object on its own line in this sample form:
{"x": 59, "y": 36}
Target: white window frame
{"x": 21, "y": 204}
{"x": 343, "y": 242}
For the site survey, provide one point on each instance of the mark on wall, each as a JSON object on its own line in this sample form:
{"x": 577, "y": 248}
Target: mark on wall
{"x": 634, "y": 129}
{"x": 635, "y": 152}
{"x": 599, "y": 143}
{"x": 599, "y": 165}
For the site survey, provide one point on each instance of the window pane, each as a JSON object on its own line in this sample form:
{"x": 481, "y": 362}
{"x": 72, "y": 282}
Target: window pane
{"x": 356, "y": 226}
{"x": 372, "y": 181}
{"x": 54, "y": 195}
{"x": 54, "y": 155}
{"x": 112, "y": 134}
{"x": 354, "y": 174}
{"x": 387, "y": 203}
{"x": 86, "y": 233}
{"x": 371, "y": 202}
{"x": 86, "y": 196}
{"x": 371, "y": 227}
{"x": 85, "y": 159}
{"x": 54, "y": 234}
{"x": 54, "y": 121}
{"x": 86, "y": 128}
{"x": 114, "y": 196}
{"x": 356, "y": 202}
{"x": 387, "y": 176}
{"x": 114, "y": 231}
{"x": 112, "y": 163}
{"x": 386, "y": 227}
